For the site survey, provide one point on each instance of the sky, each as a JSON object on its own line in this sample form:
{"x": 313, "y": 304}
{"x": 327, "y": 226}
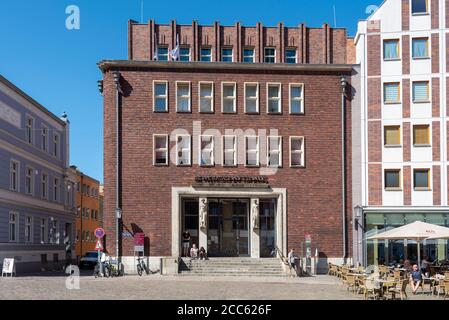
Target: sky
{"x": 57, "y": 66}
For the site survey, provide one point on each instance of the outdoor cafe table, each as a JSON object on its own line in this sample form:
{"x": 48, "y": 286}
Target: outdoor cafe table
{"x": 384, "y": 285}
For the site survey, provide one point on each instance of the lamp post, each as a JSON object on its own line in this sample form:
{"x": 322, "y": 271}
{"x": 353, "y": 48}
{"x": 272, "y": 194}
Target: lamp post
{"x": 358, "y": 215}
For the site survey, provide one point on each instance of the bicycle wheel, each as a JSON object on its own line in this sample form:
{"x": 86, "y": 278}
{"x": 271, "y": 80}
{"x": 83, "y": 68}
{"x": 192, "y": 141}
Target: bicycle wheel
{"x": 139, "y": 270}
{"x": 107, "y": 271}
{"x": 96, "y": 271}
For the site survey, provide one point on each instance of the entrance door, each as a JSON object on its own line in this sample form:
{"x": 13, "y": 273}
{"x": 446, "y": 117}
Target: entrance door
{"x": 228, "y": 234}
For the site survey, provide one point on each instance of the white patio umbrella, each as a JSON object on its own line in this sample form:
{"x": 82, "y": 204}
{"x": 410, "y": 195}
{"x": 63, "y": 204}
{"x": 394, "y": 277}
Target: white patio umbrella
{"x": 440, "y": 235}
{"x": 417, "y": 231}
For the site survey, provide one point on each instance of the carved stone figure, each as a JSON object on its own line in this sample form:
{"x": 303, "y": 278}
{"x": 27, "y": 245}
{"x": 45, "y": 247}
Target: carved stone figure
{"x": 203, "y": 213}
{"x": 255, "y": 214}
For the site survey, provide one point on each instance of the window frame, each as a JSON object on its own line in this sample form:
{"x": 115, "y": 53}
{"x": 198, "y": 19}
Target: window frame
{"x": 167, "y": 146}
{"x": 16, "y": 216}
{"x": 427, "y": 45}
{"x": 212, "y": 97}
{"x": 279, "y": 97}
{"x": 43, "y": 231}
{"x": 265, "y": 56}
{"x": 224, "y": 151}
{"x": 29, "y": 229}
{"x": 223, "y": 84}
{"x": 44, "y": 138}
{"x": 269, "y": 152}
{"x": 184, "y": 47}
{"x": 189, "y": 150}
{"x": 385, "y": 136}
{"x": 44, "y": 174}
{"x": 201, "y": 53}
{"x": 400, "y": 178}
{"x": 29, "y": 129}
{"x": 419, "y": 13}
{"x": 296, "y": 55}
{"x": 252, "y": 56}
{"x": 301, "y": 99}
{"x": 428, "y": 91}
{"x": 222, "y": 55}
{"x": 32, "y": 180}
{"x": 245, "y": 84}
{"x": 201, "y": 151}
{"x": 56, "y": 189}
{"x": 257, "y": 151}
{"x": 301, "y": 152}
{"x": 189, "y": 96}
{"x": 159, "y": 55}
{"x": 398, "y": 49}
{"x": 155, "y": 82}
{"x": 56, "y": 145}
{"x": 425, "y": 126}
{"x": 428, "y": 187}
{"x": 16, "y": 173}
{"x": 399, "y": 101}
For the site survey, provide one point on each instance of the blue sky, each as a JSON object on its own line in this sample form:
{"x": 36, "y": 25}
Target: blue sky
{"x": 57, "y": 67}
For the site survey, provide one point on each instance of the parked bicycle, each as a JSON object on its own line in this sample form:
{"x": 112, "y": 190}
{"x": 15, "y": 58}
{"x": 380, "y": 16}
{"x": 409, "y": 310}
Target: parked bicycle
{"x": 111, "y": 268}
{"x": 141, "y": 266}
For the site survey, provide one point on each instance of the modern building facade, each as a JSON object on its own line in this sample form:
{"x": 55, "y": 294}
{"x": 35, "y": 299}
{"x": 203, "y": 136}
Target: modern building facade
{"x": 37, "y": 203}
{"x": 87, "y": 211}
{"x": 243, "y": 141}
{"x": 400, "y": 146}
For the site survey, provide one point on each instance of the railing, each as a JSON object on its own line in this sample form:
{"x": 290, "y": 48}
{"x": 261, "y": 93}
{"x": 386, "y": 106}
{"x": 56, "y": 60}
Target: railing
{"x": 283, "y": 258}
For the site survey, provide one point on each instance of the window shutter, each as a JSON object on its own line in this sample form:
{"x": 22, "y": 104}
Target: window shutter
{"x": 420, "y": 91}
{"x": 391, "y": 92}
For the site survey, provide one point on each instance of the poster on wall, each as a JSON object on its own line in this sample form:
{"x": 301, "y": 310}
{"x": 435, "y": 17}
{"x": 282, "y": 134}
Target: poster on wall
{"x": 8, "y": 267}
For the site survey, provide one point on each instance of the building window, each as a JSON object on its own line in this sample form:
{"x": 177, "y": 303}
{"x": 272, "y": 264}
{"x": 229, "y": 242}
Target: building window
{"x": 160, "y": 96}
{"x": 160, "y": 154}
{"x": 392, "y": 135}
{"x": 44, "y": 138}
{"x": 13, "y": 227}
{"x": 251, "y": 97}
{"x": 92, "y": 214}
{"x": 206, "y": 55}
{"x": 96, "y": 215}
{"x": 228, "y": 97}
{"x": 421, "y": 179}
{"x": 419, "y": 6}
{"x": 28, "y": 229}
{"x": 162, "y": 53}
{"x": 393, "y": 179}
{"x": 421, "y": 135}
{"x": 44, "y": 186}
{"x": 392, "y": 92}
{"x": 29, "y": 181}
{"x": 229, "y": 151}
{"x": 296, "y": 152}
{"x": 274, "y": 98}
{"x": 290, "y": 55}
{"x": 274, "y": 151}
{"x": 248, "y": 55}
{"x": 56, "y": 145}
{"x": 43, "y": 231}
{"x": 14, "y": 175}
{"x": 184, "y": 54}
{"x": 297, "y": 98}
{"x": 206, "y": 151}
{"x": 420, "y": 48}
{"x": 270, "y": 55}
{"x": 56, "y": 187}
{"x": 54, "y": 232}
{"x": 29, "y": 130}
{"x": 183, "y": 154}
{"x": 421, "y": 91}
{"x": 206, "y": 96}
{"x": 226, "y": 55}
{"x": 391, "y": 49}
{"x": 183, "y": 96}
{"x": 252, "y": 151}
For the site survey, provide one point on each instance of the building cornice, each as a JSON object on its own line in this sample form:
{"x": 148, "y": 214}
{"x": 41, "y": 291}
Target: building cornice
{"x": 407, "y": 209}
{"x": 107, "y": 65}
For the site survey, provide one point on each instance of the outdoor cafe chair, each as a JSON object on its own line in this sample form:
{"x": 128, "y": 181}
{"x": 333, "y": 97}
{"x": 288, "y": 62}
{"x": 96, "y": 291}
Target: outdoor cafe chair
{"x": 368, "y": 287}
{"x": 439, "y": 287}
{"x": 446, "y": 289}
{"x": 351, "y": 283}
{"x": 400, "y": 289}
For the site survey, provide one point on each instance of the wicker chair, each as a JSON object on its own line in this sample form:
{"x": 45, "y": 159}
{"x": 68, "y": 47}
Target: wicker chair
{"x": 400, "y": 289}
{"x": 437, "y": 289}
{"x": 367, "y": 287}
{"x": 446, "y": 289}
{"x": 351, "y": 283}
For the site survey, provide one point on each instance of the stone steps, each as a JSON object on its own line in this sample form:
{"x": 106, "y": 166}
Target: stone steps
{"x": 245, "y": 267}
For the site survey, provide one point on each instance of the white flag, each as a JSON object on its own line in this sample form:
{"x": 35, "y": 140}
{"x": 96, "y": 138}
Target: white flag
{"x": 175, "y": 52}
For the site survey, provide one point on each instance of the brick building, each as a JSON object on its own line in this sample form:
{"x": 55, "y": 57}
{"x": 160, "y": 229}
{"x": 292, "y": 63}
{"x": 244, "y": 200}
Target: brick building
{"x": 400, "y": 163}
{"x": 240, "y": 142}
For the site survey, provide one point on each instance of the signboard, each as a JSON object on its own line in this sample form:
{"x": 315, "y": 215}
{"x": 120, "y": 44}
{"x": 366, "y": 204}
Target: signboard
{"x": 99, "y": 246}
{"x": 232, "y": 181}
{"x": 8, "y": 267}
{"x": 139, "y": 241}
{"x": 99, "y": 233}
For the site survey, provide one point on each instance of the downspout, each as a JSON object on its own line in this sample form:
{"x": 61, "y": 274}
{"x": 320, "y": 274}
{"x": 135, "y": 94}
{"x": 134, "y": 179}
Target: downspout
{"x": 344, "y": 84}
{"x": 117, "y": 165}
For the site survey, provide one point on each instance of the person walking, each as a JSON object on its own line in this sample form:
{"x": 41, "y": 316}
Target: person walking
{"x": 186, "y": 243}
{"x": 292, "y": 259}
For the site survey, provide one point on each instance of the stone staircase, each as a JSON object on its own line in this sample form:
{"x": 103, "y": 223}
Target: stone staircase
{"x": 235, "y": 267}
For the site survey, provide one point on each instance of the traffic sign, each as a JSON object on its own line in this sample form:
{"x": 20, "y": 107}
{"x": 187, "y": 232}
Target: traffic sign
{"x": 99, "y": 233}
{"x": 99, "y": 246}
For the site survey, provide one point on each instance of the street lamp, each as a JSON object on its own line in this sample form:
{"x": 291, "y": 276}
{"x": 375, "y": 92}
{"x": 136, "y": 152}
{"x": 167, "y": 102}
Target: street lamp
{"x": 344, "y": 83}
{"x": 100, "y": 86}
{"x": 358, "y": 212}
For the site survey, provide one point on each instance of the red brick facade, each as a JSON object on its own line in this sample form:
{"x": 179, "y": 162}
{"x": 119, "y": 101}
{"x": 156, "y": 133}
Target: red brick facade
{"x": 436, "y": 141}
{"x": 435, "y": 17}
{"x": 435, "y": 53}
{"x": 406, "y": 141}
{"x": 407, "y": 185}
{"x": 436, "y": 97}
{"x": 375, "y": 141}
{"x": 405, "y": 54}
{"x": 405, "y": 15}
{"x": 375, "y": 184}
{"x": 374, "y": 55}
{"x": 406, "y": 98}
{"x": 436, "y": 185}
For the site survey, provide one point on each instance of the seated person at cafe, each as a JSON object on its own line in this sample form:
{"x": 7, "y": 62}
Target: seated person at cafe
{"x": 415, "y": 278}
{"x": 194, "y": 252}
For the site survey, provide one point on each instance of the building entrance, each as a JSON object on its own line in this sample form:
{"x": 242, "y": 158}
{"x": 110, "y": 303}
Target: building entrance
{"x": 228, "y": 227}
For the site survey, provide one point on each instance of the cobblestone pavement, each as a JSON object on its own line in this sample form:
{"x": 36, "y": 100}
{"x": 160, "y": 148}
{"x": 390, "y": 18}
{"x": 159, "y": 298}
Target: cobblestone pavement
{"x": 53, "y": 287}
